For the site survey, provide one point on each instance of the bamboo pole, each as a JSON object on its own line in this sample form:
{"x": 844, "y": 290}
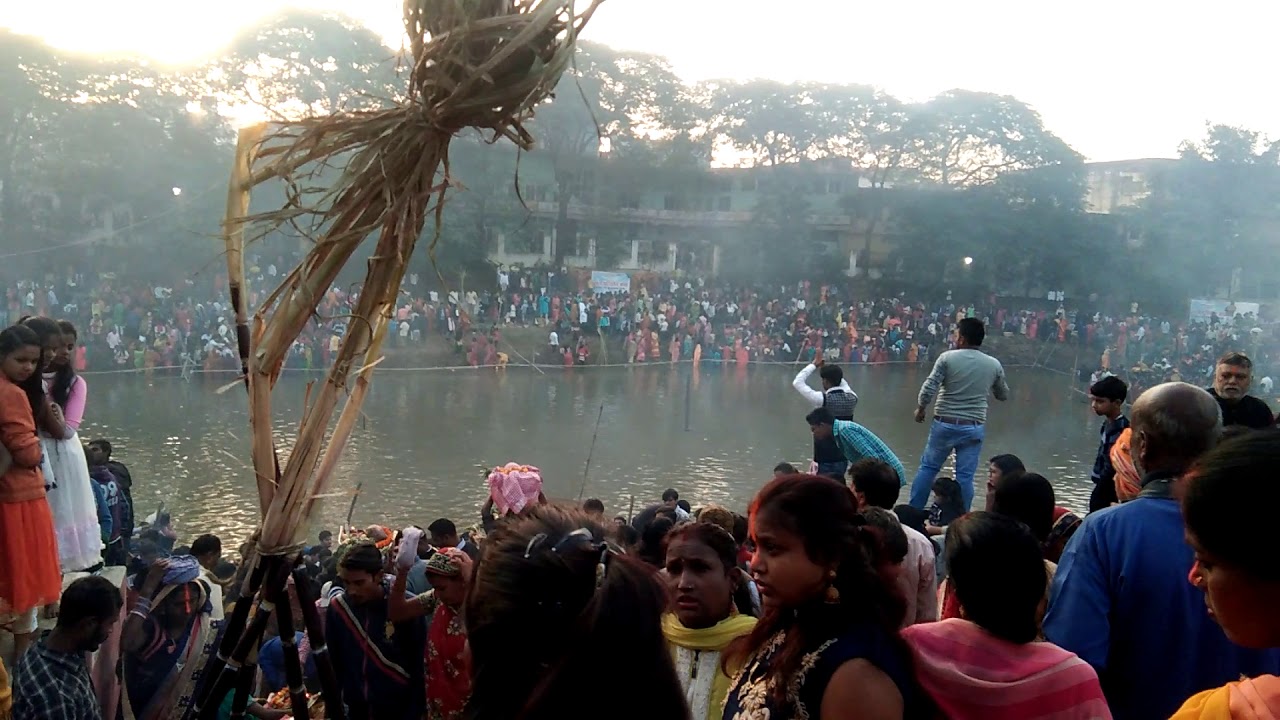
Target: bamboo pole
{"x": 329, "y": 688}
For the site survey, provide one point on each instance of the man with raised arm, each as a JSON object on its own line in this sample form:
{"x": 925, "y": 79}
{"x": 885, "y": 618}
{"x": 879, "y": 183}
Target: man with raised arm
{"x": 839, "y": 400}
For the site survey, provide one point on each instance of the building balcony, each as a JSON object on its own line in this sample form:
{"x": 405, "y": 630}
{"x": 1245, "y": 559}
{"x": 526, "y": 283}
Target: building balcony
{"x": 676, "y": 218}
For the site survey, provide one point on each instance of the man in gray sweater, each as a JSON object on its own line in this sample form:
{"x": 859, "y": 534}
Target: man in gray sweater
{"x": 960, "y": 381}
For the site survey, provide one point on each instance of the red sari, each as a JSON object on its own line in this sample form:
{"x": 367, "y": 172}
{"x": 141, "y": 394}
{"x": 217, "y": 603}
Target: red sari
{"x": 448, "y": 666}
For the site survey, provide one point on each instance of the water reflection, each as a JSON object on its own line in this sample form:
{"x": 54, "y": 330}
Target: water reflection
{"x": 426, "y": 435}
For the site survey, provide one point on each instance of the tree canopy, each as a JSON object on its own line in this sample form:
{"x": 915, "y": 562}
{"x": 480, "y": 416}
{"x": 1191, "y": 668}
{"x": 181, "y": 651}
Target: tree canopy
{"x": 120, "y": 150}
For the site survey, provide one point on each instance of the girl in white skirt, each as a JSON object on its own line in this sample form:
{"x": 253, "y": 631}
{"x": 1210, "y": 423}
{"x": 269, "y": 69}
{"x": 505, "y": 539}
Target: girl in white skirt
{"x": 71, "y": 499}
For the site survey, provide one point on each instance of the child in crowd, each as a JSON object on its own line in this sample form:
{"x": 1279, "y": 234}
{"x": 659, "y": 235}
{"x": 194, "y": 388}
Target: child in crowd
{"x": 1107, "y": 397}
{"x": 112, "y": 512}
{"x": 948, "y": 504}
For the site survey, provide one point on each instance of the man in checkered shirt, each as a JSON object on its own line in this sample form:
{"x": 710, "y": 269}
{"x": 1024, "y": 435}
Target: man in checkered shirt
{"x": 855, "y": 441}
{"x": 52, "y": 680}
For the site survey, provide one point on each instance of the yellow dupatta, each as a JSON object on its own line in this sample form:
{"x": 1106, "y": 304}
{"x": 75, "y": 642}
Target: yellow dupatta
{"x": 1251, "y": 699}
{"x": 715, "y": 638}
{"x": 6, "y": 694}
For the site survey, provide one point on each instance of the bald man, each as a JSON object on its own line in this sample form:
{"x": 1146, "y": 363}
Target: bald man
{"x": 1120, "y": 599}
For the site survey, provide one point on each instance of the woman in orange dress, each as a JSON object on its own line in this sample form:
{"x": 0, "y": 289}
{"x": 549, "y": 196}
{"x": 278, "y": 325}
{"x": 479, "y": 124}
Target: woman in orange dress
{"x": 30, "y": 574}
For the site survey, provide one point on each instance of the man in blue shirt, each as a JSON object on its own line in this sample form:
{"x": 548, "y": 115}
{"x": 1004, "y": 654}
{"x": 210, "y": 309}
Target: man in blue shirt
{"x": 1120, "y": 599}
{"x": 854, "y": 441}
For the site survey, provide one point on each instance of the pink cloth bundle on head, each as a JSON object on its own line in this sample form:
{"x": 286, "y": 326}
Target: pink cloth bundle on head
{"x": 514, "y": 487}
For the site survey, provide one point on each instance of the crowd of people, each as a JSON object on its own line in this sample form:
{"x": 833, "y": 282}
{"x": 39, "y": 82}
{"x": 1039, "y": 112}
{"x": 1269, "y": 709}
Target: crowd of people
{"x": 189, "y": 324}
{"x": 827, "y": 597}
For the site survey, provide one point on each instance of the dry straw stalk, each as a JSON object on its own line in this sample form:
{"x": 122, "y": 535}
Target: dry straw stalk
{"x": 481, "y": 64}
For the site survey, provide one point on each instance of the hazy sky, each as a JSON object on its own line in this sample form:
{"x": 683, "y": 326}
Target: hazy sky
{"x": 1115, "y": 78}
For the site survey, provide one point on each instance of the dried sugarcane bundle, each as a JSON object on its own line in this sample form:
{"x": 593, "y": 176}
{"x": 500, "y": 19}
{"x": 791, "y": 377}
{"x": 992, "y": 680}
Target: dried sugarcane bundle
{"x": 475, "y": 64}
{"x": 481, "y": 64}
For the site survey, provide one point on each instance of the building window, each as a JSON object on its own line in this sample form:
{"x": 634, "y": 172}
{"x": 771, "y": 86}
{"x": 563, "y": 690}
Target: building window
{"x": 726, "y": 203}
{"x": 537, "y": 193}
{"x": 647, "y": 254}
{"x": 525, "y": 241}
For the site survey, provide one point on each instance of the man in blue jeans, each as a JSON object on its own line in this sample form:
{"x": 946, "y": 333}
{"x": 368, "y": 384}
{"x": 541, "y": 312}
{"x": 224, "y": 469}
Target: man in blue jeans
{"x": 960, "y": 381}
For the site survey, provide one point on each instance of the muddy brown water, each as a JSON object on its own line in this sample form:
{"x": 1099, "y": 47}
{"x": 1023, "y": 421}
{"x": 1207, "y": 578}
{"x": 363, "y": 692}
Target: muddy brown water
{"x": 426, "y": 435}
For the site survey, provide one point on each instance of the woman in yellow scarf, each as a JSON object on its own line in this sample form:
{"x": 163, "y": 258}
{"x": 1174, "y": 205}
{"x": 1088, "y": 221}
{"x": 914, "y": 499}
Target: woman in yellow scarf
{"x": 1227, "y": 506}
{"x": 710, "y": 606}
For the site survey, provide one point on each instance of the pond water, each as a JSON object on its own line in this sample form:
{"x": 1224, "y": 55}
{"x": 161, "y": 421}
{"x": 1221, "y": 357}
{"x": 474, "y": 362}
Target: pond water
{"x": 420, "y": 450}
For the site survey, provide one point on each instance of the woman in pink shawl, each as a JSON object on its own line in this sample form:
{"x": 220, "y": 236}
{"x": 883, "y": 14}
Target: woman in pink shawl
{"x": 988, "y": 666}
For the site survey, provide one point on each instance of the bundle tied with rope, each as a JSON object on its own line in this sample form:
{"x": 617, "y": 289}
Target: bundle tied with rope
{"x": 482, "y": 64}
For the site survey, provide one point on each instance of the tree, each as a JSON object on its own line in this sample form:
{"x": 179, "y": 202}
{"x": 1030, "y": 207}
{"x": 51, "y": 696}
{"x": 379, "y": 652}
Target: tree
{"x": 482, "y": 204}
{"x": 971, "y": 138}
{"x": 1211, "y": 216}
{"x": 873, "y": 131}
{"x": 80, "y": 137}
{"x": 33, "y": 87}
{"x": 1231, "y": 145}
{"x": 1045, "y": 237}
{"x": 769, "y": 122}
{"x": 306, "y": 62}
{"x": 779, "y": 241}
{"x": 1025, "y": 230}
{"x": 632, "y": 99}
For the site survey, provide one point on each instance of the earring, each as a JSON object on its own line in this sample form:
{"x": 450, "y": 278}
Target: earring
{"x": 833, "y": 593}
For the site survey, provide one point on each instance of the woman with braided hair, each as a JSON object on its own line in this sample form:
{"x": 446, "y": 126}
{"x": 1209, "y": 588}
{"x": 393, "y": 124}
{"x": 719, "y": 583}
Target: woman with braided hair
{"x": 547, "y": 596}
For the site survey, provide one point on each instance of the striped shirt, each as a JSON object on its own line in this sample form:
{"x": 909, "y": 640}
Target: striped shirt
{"x": 857, "y": 442}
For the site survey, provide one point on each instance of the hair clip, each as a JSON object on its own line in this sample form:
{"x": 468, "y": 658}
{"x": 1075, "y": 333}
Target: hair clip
{"x": 533, "y": 543}
{"x": 602, "y": 567}
{"x": 581, "y": 536}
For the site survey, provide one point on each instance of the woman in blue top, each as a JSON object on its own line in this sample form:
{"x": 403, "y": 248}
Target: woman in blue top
{"x": 827, "y": 647}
